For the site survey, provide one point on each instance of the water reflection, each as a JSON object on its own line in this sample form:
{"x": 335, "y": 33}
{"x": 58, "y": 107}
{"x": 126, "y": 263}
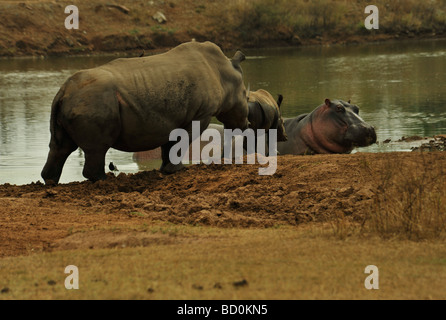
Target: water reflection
{"x": 398, "y": 86}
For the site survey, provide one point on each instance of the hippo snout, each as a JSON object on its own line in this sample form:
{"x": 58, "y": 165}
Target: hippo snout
{"x": 371, "y": 135}
{"x": 361, "y": 135}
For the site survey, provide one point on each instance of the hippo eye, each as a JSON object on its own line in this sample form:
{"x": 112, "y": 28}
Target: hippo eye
{"x": 340, "y": 108}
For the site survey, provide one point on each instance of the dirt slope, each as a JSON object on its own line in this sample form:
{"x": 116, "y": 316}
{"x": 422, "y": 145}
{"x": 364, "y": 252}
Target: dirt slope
{"x": 35, "y": 217}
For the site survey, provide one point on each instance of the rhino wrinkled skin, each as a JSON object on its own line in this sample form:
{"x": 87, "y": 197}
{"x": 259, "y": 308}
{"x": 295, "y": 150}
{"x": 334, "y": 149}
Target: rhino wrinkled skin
{"x": 132, "y": 104}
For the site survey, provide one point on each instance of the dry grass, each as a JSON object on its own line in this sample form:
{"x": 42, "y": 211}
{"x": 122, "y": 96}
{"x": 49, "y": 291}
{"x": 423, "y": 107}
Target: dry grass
{"x": 285, "y": 263}
{"x": 409, "y": 203}
{"x": 331, "y": 18}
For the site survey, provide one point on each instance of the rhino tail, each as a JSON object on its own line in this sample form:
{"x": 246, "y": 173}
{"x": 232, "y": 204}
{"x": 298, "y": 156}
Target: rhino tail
{"x": 55, "y": 128}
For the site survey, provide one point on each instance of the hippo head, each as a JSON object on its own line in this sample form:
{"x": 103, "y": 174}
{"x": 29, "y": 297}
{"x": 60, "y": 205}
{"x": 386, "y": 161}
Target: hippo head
{"x": 336, "y": 127}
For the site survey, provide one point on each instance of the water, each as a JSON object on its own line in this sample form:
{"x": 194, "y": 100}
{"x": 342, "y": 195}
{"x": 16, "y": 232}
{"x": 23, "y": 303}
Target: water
{"x": 399, "y": 87}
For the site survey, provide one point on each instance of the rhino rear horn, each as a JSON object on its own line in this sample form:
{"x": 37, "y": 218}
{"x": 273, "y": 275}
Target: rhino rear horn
{"x": 238, "y": 57}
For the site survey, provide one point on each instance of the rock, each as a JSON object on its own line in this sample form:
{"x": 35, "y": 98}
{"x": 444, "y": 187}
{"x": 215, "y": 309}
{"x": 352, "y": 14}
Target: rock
{"x": 69, "y": 42}
{"x": 160, "y": 17}
{"x": 241, "y": 283}
{"x": 296, "y": 40}
{"x": 119, "y": 7}
{"x": 411, "y": 138}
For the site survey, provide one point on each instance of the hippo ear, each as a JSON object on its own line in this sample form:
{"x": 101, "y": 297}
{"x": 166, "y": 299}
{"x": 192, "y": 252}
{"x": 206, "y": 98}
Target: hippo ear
{"x": 327, "y": 102}
{"x": 349, "y": 101}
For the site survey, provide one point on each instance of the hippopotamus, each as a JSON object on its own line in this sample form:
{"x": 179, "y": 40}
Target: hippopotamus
{"x": 132, "y": 104}
{"x": 333, "y": 127}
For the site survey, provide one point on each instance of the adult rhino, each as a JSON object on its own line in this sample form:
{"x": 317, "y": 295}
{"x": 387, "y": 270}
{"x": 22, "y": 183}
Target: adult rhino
{"x": 333, "y": 127}
{"x": 133, "y": 105}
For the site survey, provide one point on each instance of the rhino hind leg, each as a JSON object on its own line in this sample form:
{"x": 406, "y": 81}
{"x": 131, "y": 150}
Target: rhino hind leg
{"x": 168, "y": 167}
{"x": 57, "y": 156}
{"x": 94, "y": 167}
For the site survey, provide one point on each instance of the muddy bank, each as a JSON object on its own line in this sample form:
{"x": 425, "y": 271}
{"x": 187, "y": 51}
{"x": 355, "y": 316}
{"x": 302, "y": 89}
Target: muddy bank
{"x": 37, "y": 28}
{"x": 304, "y": 189}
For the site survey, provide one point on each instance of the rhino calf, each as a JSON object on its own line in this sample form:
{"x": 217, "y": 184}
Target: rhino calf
{"x": 264, "y": 113}
{"x": 133, "y": 104}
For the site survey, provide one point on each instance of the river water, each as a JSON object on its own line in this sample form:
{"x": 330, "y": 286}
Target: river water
{"x": 400, "y": 88}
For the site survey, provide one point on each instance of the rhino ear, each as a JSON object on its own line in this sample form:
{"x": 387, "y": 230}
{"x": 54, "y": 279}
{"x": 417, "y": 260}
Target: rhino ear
{"x": 237, "y": 59}
{"x": 279, "y": 100}
{"x": 327, "y": 102}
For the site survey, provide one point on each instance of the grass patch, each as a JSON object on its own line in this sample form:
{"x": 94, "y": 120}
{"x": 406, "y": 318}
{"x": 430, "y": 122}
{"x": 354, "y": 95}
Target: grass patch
{"x": 285, "y": 263}
{"x": 329, "y": 18}
{"x": 410, "y": 201}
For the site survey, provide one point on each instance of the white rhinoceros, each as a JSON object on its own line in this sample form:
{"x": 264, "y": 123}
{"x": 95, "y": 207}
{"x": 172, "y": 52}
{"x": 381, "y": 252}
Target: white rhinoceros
{"x": 132, "y": 104}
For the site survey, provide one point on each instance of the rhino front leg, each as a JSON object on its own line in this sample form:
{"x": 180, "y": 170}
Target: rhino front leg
{"x": 168, "y": 167}
{"x": 194, "y": 131}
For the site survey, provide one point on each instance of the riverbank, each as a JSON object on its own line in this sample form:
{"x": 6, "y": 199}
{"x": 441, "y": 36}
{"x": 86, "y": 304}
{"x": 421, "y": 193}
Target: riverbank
{"x": 376, "y": 192}
{"x": 37, "y": 28}
{"x": 224, "y": 232}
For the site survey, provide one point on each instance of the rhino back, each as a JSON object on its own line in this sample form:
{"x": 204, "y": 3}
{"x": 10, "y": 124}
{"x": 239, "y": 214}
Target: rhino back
{"x": 156, "y": 94}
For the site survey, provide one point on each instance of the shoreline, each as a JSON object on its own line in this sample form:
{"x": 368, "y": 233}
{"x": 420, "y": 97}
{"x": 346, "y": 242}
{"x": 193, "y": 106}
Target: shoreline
{"x": 309, "y": 189}
{"x": 36, "y": 28}
{"x": 147, "y": 52}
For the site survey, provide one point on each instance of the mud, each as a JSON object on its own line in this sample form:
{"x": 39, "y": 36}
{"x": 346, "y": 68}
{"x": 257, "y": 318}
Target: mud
{"x": 437, "y": 143}
{"x": 304, "y": 189}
